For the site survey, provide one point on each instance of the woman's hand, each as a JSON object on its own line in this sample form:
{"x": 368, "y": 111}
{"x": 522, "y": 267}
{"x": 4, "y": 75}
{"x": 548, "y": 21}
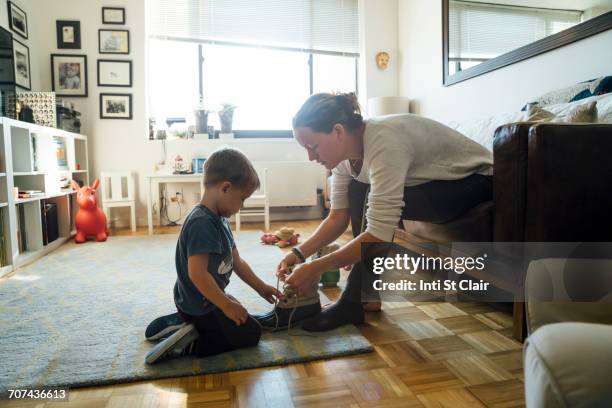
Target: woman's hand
{"x": 283, "y": 268}
{"x": 270, "y": 293}
{"x": 302, "y": 277}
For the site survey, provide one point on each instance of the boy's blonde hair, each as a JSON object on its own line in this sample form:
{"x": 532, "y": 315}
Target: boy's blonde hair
{"x": 228, "y": 164}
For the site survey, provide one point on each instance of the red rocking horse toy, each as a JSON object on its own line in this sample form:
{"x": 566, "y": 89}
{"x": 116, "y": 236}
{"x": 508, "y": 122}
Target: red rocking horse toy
{"x": 90, "y": 220}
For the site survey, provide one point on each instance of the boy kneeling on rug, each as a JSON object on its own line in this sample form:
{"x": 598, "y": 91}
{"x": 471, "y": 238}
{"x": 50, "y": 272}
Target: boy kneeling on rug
{"x": 209, "y": 321}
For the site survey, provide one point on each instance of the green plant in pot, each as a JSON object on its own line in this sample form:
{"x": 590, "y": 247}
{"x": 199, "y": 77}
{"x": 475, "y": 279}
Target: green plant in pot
{"x": 226, "y": 115}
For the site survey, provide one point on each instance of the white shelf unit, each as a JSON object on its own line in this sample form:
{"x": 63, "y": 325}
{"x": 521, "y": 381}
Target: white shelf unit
{"x": 29, "y": 161}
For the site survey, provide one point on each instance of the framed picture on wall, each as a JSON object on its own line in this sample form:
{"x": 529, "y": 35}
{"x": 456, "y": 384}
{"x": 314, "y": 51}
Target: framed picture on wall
{"x": 113, "y": 15}
{"x": 69, "y": 74}
{"x": 114, "y": 72}
{"x": 18, "y": 20}
{"x": 115, "y": 106}
{"x": 68, "y": 34}
{"x": 113, "y": 41}
{"x": 21, "y": 59}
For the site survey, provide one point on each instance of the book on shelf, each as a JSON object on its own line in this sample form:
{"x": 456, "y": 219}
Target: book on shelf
{"x": 34, "y": 152}
{"x": 60, "y": 152}
{"x": 3, "y": 260}
{"x": 30, "y": 193}
{"x": 21, "y": 229}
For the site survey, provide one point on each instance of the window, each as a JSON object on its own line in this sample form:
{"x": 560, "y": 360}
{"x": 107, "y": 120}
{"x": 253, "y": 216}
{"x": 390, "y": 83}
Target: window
{"x": 267, "y": 86}
{"x": 332, "y": 73}
{"x": 266, "y": 66}
{"x": 173, "y": 79}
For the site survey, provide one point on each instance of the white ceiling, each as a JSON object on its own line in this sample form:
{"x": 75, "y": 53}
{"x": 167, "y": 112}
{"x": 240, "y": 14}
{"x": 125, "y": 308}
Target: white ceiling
{"x": 553, "y": 4}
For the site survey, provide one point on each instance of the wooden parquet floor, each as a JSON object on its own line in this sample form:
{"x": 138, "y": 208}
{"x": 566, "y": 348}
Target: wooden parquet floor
{"x": 426, "y": 355}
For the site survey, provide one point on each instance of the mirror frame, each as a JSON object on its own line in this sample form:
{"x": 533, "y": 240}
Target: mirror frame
{"x": 578, "y": 32}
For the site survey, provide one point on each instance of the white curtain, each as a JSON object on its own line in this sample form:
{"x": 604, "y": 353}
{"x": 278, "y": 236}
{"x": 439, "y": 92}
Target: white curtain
{"x": 317, "y": 25}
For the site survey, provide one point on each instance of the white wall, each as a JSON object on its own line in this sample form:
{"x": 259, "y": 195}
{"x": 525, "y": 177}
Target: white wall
{"x": 113, "y": 144}
{"x": 378, "y": 32}
{"x": 506, "y": 89}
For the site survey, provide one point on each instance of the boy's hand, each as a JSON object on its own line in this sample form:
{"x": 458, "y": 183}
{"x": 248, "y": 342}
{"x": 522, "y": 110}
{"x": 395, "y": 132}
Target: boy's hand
{"x": 270, "y": 293}
{"x": 235, "y": 311}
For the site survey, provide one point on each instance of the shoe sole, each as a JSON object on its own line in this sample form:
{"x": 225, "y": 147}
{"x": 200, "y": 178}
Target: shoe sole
{"x": 165, "y": 332}
{"x": 162, "y": 348}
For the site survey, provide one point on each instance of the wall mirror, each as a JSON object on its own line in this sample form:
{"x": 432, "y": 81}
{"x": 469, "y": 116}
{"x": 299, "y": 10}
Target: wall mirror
{"x": 483, "y": 35}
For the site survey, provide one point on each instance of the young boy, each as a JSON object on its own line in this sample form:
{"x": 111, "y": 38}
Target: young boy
{"x": 209, "y": 321}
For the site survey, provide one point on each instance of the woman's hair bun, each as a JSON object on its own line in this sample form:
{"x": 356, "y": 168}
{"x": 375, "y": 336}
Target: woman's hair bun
{"x": 322, "y": 111}
{"x": 349, "y": 102}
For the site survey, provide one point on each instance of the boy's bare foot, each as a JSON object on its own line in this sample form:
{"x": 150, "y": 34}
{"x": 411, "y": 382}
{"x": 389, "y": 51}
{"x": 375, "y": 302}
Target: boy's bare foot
{"x": 372, "y": 306}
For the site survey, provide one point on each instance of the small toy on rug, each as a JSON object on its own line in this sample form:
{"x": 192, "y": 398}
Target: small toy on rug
{"x": 282, "y": 238}
{"x": 332, "y": 277}
{"x": 90, "y": 220}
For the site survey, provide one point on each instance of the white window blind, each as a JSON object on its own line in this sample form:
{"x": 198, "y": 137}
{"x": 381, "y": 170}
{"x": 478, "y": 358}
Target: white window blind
{"x": 478, "y": 30}
{"x": 310, "y": 25}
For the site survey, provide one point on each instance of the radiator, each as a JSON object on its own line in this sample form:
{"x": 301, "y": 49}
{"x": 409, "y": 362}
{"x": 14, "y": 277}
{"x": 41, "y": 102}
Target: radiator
{"x": 292, "y": 183}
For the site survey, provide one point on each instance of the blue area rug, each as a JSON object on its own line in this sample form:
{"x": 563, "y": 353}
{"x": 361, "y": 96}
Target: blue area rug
{"x": 77, "y": 316}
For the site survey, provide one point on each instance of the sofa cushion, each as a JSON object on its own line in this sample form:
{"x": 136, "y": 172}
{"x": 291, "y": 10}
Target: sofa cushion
{"x": 568, "y": 365}
{"x": 568, "y": 173}
{"x": 568, "y": 290}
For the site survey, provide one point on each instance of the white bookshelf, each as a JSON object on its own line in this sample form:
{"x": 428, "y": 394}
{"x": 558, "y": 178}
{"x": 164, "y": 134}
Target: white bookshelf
{"x": 28, "y": 160}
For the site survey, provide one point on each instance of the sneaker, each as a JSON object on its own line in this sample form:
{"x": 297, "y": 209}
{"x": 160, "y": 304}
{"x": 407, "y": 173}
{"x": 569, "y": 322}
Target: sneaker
{"x": 164, "y": 326}
{"x": 179, "y": 344}
{"x": 280, "y": 320}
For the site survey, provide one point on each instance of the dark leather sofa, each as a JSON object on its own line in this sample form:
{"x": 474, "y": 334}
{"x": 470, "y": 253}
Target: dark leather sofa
{"x": 552, "y": 183}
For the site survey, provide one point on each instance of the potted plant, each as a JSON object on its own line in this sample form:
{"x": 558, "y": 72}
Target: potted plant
{"x": 201, "y": 118}
{"x": 226, "y": 115}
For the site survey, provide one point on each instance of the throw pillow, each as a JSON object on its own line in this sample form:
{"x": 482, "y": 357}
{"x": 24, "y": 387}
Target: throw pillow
{"x": 581, "y": 90}
{"x": 537, "y": 114}
{"x": 585, "y": 113}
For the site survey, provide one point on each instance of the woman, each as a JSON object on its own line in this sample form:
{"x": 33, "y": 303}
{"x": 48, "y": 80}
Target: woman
{"x": 384, "y": 169}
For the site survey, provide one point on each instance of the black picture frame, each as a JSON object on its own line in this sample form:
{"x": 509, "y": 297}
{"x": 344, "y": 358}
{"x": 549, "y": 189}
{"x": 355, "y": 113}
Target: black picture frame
{"x": 64, "y": 29}
{"x": 106, "y": 18}
{"x": 59, "y": 83}
{"x": 578, "y": 32}
{"x": 113, "y": 45}
{"x": 103, "y": 80}
{"x": 105, "y": 114}
{"x": 20, "y": 26}
{"x": 21, "y": 65}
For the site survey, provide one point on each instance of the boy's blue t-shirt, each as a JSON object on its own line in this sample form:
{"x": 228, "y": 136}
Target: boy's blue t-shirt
{"x": 203, "y": 232}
